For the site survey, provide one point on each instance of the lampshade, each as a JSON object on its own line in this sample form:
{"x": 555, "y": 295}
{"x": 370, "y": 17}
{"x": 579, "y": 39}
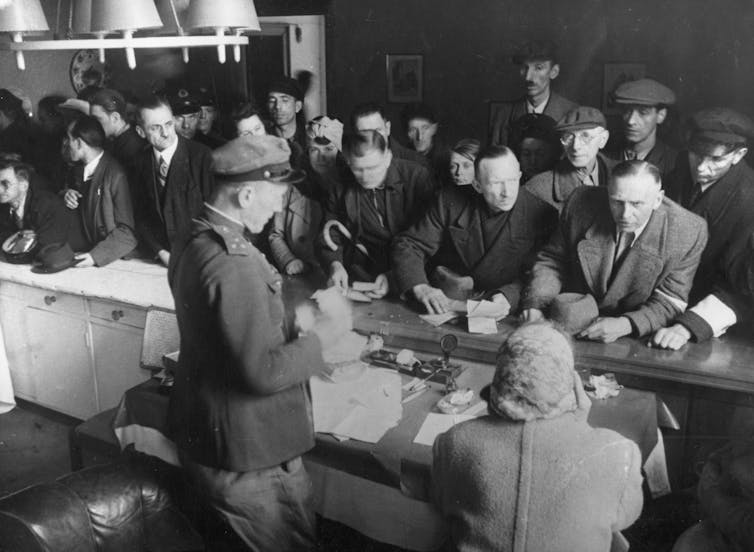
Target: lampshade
{"x": 22, "y": 16}
{"x": 215, "y": 14}
{"x": 114, "y": 15}
{"x": 173, "y": 14}
{"x": 81, "y": 18}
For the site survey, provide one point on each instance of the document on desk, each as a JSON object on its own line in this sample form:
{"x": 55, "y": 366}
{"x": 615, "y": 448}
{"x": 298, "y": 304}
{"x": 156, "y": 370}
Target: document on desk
{"x": 435, "y": 424}
{"x": 364, "y": 408}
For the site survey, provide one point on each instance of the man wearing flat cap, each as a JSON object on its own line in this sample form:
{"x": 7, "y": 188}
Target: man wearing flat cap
{"x": 625, "y": 244}
{"x": 124, "y": 143}
{"x": 644, "y": 106}
{"x": 239, "y": 411}
{"x": 583, "y": 133}
{"x": 538, "y": 67}
{"x": 186, "y": 111}
{"x": 713, "y": 180}
{"x": 285, "y": 100}
{"x": 173, "y": 178}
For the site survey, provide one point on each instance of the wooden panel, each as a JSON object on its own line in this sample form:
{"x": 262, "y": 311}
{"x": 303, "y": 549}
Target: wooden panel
{"x": 55, "y": 301}
{"x": 61, "y": 362}
{"x": 116, "y": 358}
{"x": 13, "y": 321}
{"x": 118, "y": 312}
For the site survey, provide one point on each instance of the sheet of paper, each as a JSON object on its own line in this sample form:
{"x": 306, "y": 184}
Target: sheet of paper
{"x": 438, "y": 319}
{"x": 435, "y": 424}
{"x": 363, "y": 409}
{"x": 487, "y": 309}
{"x": 482, "y": 325}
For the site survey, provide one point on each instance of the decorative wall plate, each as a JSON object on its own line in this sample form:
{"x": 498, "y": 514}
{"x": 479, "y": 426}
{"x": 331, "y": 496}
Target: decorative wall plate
{"x": 86, "y": 70}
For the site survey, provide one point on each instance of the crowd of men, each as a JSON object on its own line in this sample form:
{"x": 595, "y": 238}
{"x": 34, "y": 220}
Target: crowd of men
{"x": 662, "y": 239}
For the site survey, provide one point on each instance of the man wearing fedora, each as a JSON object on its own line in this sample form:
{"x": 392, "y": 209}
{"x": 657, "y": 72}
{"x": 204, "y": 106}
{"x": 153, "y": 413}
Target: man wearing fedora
{"x": 538, "y": 67}
{"x": 714, "y": 181}
{"x": 627, "y": 245}
{"x": 173, "y": 178}
{"x": 644, "y": 107}
{"x": 103, "y": 226}
{"x": 489, "y": 236}
{"x": 239, "y": 411}
{"x": 23, "y": 206}
{"x": 583, "y": 133}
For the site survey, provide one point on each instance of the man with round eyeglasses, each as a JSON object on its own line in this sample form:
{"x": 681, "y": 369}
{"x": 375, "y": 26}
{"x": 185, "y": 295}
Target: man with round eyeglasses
{"x": 715, "y": 182}
{"x": 583, "y": 133}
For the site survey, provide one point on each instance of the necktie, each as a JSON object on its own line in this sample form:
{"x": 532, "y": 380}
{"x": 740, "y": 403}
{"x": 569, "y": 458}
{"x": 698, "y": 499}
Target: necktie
{"x": 695, "y": 195}
{"x": 630, "y": 155}
{"x": 162, "y": 172}
{"x": 621, "y": 247}
{"x": 19, "y": 220}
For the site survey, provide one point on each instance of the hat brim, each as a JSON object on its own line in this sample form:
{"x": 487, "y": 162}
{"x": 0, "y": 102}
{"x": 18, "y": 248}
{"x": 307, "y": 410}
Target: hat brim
{"x": 41, "y": 269}
{"x": 288, "y": 177}
{"x": 580, "y": 126}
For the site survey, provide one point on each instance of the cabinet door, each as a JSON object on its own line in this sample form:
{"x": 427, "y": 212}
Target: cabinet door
{"x": 117, "y": 349}
{"x": 13, "y": 321}
{"x": 61, "y": 362}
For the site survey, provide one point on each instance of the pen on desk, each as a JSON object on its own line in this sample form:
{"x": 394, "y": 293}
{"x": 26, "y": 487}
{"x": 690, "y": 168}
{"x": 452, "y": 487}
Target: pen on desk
{"x": 412, "y": 396}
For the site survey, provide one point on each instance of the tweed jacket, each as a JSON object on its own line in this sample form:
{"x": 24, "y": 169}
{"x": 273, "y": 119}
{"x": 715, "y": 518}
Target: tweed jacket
{"x": 44, "y": 212}
{"x": 556, "y": 185}
{"x": 453, "y": 225}
{"x": 651, "y": 285}
{"x": 189, "y": 183}
{"x": 107, "y": 217}
{"x": 409, "y": 192}
{"x": 662, "y": 156}
{"x": 240, "y": 401}
{"x": 728, "y": 208}
{"x": 541, "y": 486}
{"x": 507, "y": 113}
{"x": 295, "y": 229}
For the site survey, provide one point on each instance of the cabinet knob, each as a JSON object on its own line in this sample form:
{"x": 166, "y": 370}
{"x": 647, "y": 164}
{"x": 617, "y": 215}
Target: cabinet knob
{"x": 50, "y": 299}
{"x": 117, "y": 314}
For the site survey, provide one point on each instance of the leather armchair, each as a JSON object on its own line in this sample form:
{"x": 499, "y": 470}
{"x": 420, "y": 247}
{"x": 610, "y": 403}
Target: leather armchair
{"x": 125, "y": 506}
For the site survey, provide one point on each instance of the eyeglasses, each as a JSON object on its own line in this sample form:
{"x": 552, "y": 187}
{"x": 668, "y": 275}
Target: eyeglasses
{"x": 584, "y": 137}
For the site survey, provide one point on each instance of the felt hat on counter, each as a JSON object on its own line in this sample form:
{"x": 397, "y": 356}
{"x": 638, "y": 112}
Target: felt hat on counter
{"x": 574, "y": 312}
{"x": 20, "y": 247}
{"x": 54, "y": 258}
{"x": 453, "y": 285}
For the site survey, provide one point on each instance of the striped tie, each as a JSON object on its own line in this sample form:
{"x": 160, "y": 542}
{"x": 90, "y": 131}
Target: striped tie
{"x": 162, "y": 172}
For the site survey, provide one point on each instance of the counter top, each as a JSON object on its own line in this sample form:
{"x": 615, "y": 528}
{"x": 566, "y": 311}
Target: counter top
{"x": 134, "y": 282}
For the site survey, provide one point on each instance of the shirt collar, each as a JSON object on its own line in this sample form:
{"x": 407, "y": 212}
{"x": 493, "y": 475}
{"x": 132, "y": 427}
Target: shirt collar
{"x": 91, "y": 166}
{"x": 636, "y": 232}
{"x": 167, "y": 154}
{"x": 538, "y": 109}
{"x": 225, "y": 216}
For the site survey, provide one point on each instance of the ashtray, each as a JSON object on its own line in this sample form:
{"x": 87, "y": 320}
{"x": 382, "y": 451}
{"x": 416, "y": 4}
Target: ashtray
{"x": 456, "y": 402}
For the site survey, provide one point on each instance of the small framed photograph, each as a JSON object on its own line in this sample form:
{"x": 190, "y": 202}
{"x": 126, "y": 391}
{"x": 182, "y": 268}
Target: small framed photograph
{"x": 616, "y": 74}
{"x": 405, "y": 77}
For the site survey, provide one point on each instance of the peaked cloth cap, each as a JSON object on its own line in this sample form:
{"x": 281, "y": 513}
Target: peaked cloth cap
{"x": 255, "y": 158}
{"x": 581, "y": 118}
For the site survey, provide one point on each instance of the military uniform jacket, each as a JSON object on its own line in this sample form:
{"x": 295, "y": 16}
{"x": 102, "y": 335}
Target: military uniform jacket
{"x": 453, "y": 224}
{"x": 555, "y": 186}
{"x": 107, "y": 216}
{"x": 160, "y": 224}
{"x": 650, "y": 286}
{"x": 44, "y": 212}
{"x": 239, "y": 401}
{"x": 728, "y": 208}
{"x": 509, "y": 112}
{"x": 409, "y": 191}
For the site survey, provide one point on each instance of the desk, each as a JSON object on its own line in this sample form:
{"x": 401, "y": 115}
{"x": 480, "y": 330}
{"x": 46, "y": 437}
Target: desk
{"x": 380, "y": 490}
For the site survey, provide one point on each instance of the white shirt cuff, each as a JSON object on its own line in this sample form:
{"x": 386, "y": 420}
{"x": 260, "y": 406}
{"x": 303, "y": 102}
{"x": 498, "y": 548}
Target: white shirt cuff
{"x": 717, "y": 314}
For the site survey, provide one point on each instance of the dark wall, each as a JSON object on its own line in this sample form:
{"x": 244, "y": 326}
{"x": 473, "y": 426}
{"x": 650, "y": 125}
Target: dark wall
{"x": 703, "y": 50}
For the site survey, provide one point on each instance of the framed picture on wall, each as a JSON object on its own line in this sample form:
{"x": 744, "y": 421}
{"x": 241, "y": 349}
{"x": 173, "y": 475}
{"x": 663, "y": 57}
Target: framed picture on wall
{"x": 405, "y": 77}
{"x": 616, "y": 74}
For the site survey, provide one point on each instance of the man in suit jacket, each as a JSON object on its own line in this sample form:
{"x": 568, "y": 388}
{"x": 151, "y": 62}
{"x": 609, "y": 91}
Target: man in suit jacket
{"x": 23, "y": 206}
{"x": 583, "y": 134}
{"x": 239, "y": 411}
{"x": 644, "y": 104}
{"x": 489, "y": 235}
{"x": 533, "y": 475}
{"x": 714, "y": 181}
{"x": 385, "y": 196}
{"x": 101, "y": 197}
{"x": 173, "y": 179}
{"x": 538, "y": 66}
{"x": 627, "y": 245}
{"x": 371, "y": 116}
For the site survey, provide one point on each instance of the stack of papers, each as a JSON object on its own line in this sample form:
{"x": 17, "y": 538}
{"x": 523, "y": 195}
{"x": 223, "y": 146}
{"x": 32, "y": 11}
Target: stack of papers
{"x": 364, "y": 408}
{"x": 435, "y": 424}
{"x": 482, "y": 315}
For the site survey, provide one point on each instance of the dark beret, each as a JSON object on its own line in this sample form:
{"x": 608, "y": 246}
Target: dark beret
{"x": 536, "y": 125}
{"x": 255, "y": 158}
{"x": 205, "y": 97}
{"x": 183, "y": 102}
{"x": 537, "y": 50}
{"x": 581, "y": 117}
{"x": 644, "y": 92}
{"x": 721, "y": 125}
{"x": 287, "y": 85}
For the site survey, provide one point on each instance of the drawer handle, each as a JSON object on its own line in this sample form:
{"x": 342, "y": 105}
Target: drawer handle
{"x": 117, "y": 314}
{"x": 50, "y": 299}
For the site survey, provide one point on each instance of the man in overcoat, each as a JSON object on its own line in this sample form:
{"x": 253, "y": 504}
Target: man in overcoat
{"x": 627, "y": 245}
